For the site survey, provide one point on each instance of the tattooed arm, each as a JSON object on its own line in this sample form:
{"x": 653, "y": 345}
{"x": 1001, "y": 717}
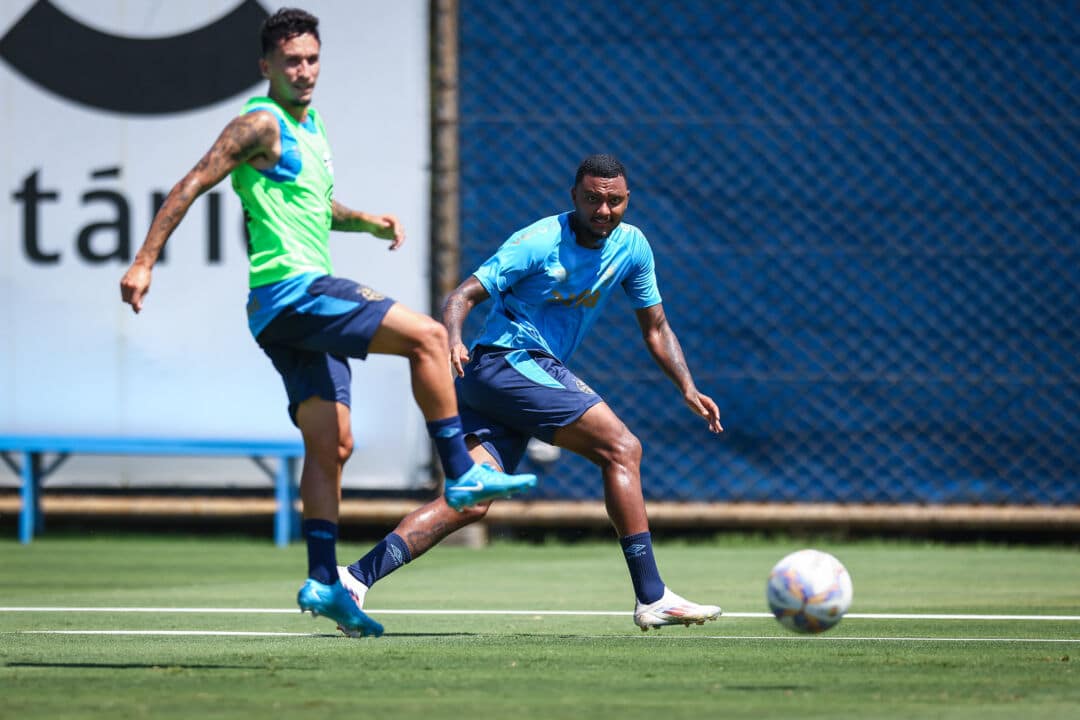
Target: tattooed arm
{"x": 252, "y": 137}
{"x": 668, "y": 354}
{"x": 386, "y": 227}
{"x": 457, "y": 307}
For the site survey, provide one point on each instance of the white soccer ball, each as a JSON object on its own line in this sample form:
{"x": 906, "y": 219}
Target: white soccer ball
{"x": 809, "y": 591}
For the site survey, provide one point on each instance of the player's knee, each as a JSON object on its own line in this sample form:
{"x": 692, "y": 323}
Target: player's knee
{"x": 328, "y": 450}
{"x": 622, "y": 449}
{"x": 344, "y": 447}
{"x": 430, "y": 340}
{"x": 435, "y": 338}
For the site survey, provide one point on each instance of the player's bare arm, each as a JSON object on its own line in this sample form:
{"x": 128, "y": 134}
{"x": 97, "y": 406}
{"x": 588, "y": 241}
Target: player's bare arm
{"x": 665, "y": 349}
{"x": 252, "y": 137}
{"x": 458, "y": 305}
{"x": 387, "y": 227}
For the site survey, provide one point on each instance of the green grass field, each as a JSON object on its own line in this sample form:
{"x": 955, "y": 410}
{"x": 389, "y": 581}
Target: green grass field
{"x": 549, "y": 659}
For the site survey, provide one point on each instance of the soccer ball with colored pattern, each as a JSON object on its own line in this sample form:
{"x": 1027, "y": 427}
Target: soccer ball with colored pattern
{"x": 809, "y": 591}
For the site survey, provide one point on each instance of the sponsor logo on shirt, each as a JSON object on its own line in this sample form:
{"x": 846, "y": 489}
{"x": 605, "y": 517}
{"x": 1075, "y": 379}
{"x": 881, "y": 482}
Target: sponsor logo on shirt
{"x": 586, "y": 298}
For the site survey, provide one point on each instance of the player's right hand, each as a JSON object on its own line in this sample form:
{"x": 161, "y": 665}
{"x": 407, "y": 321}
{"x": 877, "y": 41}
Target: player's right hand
{"x": 135, "y": 285}
{"x": 459, "y": 355}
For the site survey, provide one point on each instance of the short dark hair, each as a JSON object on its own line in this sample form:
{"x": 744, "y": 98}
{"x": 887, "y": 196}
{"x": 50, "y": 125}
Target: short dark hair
{"x": 605, "y": 166}
{"x": 287, "y": 23}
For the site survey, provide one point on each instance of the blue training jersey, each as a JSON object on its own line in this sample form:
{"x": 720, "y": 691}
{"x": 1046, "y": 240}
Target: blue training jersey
{"x": 547, "y": 290}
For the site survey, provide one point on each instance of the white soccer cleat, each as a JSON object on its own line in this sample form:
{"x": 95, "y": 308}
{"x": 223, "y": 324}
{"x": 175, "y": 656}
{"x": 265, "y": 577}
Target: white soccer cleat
{"x": 357, "y": 590}
{"x": 671, "y": 609}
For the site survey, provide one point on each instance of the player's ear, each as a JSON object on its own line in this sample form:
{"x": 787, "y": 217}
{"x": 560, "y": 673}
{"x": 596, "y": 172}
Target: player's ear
{"x": 264, "y": 68}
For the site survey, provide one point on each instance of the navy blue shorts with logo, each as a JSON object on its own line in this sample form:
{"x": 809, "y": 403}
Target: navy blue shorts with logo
{"x": 508, "y": 396}
{"x": 311, "y": 339}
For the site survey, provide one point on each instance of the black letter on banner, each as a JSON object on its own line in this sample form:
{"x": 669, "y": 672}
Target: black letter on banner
{"x": 213, "y": 228}
{"x": 30, "y": 195}
{"x": 121, "y": 226}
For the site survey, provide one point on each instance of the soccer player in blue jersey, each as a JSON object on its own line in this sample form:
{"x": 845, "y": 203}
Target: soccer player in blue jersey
{"x": 308, "y": 321}
{"x": 547, "y": 285}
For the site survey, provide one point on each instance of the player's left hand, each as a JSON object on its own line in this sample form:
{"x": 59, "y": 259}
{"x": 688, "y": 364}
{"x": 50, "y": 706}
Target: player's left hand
{"x": 388, "y": 227}
{"x": 704, "y": 407}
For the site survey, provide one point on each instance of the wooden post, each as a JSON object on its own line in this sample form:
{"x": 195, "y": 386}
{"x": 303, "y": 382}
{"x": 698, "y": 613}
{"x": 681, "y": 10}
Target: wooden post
{"x": 445, "y": 175}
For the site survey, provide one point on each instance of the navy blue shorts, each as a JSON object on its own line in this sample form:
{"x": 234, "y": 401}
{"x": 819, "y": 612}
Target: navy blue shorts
{"x": 311, "y": 340}
{"x": 508, "y": 396}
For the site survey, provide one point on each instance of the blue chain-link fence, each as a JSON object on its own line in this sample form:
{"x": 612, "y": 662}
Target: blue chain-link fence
{"x": 866, "y": 219}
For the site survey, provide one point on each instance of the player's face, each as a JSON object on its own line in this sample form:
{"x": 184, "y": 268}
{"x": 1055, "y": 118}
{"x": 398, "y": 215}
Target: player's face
{"x": 292, "y": 69}
{"x": 599, "y": 204}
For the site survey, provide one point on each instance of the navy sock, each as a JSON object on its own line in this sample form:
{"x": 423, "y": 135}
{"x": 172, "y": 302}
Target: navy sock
{"x": 383, "y": 559}
{"x": 321, "y": 537}
{"x": 637, "y": 549}
{"x": 450, "y": 443}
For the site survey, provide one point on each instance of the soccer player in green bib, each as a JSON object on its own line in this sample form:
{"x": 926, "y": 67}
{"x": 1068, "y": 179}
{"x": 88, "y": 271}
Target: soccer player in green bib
{"x": 308, "y": 321}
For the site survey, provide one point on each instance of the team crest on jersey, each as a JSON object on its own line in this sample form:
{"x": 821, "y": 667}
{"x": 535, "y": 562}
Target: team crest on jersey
{"x": 583, "y": 387}
{"x": 328, "y": 162}
{"x": 369, "y": 294}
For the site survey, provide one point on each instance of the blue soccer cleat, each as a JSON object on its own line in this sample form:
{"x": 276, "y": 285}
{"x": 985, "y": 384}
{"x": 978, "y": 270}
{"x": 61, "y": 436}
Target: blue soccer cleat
{"x": 482, "y": 483}
{"x": 335, "y": 602}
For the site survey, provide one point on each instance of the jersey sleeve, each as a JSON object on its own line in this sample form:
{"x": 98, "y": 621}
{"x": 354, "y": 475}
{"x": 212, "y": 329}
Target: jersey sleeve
{"x": 509, "y": 263}
{"x": 640, "y": 284}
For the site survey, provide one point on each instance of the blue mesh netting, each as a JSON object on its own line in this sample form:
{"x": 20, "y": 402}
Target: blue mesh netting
{"x": 866, "y": 219}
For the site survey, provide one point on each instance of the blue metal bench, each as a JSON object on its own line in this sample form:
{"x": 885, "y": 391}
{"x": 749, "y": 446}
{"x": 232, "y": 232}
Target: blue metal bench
{"x": 35, "y": 449}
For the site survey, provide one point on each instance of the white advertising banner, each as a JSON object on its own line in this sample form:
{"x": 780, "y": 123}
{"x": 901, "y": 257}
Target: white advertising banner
{"x": 105, "y": 105}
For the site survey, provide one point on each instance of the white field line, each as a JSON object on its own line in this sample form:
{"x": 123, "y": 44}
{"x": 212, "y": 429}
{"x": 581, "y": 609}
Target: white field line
{"x": 619, "y": 613}
{"x": 654, "y": 637}
{"x": 583, "y": 613}
{"x": 169, "y": 633}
